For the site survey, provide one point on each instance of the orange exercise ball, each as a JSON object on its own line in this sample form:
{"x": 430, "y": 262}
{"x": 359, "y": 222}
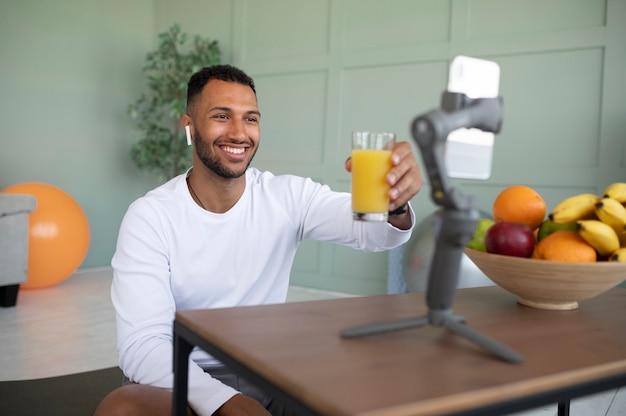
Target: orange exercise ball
{"x": 58, "y": 235}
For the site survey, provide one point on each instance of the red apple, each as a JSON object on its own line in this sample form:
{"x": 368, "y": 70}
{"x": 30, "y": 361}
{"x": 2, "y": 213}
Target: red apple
{"x": 510, "y": 239}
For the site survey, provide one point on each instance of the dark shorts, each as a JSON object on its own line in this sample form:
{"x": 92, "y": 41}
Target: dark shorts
{"x": 226, "y": 376}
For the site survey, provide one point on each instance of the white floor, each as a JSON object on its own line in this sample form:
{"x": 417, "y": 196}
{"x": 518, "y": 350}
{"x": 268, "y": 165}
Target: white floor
{"x": 70, "y": 328}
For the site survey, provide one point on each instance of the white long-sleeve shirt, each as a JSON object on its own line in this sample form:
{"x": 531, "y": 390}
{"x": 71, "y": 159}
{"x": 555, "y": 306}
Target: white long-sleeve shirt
{"x": 173, "y": 255}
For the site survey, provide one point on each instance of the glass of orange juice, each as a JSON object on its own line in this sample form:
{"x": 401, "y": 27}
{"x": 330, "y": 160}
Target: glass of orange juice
{"x": 371, "y": 161}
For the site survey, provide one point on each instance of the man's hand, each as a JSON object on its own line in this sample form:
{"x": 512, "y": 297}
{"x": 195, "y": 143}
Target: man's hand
{"x": 405, "y": 181}
{"x": 240, "y": 405}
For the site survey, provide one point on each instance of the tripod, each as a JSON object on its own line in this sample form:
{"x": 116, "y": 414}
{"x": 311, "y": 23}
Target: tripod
{"x": 458, "y": 222}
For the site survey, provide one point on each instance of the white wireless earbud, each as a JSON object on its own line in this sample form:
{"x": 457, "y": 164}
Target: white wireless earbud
{"x": 188, "y": 134}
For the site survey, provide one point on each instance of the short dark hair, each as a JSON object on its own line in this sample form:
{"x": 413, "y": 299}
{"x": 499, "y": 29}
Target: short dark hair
{"x": 226, "y": 73}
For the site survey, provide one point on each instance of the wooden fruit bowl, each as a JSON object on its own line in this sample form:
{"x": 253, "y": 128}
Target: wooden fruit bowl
{"x": 544, "y": 284}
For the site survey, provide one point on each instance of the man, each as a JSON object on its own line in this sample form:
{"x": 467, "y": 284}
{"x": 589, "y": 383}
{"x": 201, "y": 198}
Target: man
{"x": 222, "y": 235}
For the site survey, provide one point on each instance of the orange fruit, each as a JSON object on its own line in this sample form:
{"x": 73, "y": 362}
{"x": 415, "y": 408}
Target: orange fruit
{"x": 564, "y": 246}
{"x": 519, "y": 203}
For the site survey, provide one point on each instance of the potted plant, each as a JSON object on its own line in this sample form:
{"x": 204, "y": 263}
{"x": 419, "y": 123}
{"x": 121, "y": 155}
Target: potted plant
{"x": 162, "y": 146}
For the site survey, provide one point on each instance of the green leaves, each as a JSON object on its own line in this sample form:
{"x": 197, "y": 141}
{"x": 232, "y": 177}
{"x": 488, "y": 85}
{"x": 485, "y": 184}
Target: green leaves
{"x": 162, "y": 146}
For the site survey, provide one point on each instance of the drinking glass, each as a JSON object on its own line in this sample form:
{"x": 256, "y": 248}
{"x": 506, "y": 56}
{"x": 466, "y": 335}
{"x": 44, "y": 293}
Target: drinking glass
{"x": 371, "y": 161}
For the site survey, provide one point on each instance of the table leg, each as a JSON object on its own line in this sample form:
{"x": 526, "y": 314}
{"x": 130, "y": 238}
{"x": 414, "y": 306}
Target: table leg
{"x": 182, "y": 349}
{"x": 563, "y": 409}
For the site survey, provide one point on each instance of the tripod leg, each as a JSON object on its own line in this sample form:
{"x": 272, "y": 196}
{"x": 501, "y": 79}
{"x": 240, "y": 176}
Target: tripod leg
{"x": 489, "y": 344}
{"x": 387, "y": 326}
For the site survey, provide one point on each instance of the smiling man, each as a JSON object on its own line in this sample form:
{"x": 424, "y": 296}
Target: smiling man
{"x": 224, "y": 234}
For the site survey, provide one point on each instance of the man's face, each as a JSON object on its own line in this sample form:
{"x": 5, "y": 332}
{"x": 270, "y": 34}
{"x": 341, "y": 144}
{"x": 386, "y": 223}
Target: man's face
{"x": 226, "y": 127}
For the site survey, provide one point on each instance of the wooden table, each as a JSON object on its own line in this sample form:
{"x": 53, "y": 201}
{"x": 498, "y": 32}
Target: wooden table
{"x": 295, "y": 352}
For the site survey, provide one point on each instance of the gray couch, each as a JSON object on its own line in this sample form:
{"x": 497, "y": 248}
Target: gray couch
{"x": 14, "y": 210}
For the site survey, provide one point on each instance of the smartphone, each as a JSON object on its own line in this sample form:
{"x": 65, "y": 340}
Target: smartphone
{"x": 468, "y": 153}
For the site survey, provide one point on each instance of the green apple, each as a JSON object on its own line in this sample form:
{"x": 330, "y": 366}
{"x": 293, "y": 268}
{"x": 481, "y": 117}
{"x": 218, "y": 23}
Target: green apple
{"x": 548, "y": 227}
{"x": 477, "y": 242}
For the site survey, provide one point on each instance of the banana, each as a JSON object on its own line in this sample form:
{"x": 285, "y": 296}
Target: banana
{"x": 616, "y": 191}
{"x": 599, "y": 235}
{"x": 611, "y": 212}
{"x": 574, "y": 208}
{"x": 618, "y": 255}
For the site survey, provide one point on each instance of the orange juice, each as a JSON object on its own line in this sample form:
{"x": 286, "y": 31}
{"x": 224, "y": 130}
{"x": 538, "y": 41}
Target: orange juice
{"x": 370, "y": 191}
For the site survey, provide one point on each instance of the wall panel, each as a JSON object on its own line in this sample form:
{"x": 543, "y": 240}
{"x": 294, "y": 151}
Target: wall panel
{"x": 292, "y": 108}
{"x": 493, "y": 18}
{"x": 373, "y": 24}
{"x": 212, "y": 19}
{"x": 551, "y": 127}
{"x": 387, "y": 97}
{"x": 275, "y": 29}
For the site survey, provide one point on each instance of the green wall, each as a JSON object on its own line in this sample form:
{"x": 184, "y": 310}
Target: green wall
{"x": 68, "y": 71}
{"x": 323, "y": 69}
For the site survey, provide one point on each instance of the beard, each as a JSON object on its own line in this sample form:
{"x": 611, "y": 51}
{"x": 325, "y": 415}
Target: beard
{"x": 213, "y": 162}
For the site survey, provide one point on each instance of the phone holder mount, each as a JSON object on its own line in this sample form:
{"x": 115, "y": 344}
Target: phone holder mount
{"x": 458, "y": 221}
